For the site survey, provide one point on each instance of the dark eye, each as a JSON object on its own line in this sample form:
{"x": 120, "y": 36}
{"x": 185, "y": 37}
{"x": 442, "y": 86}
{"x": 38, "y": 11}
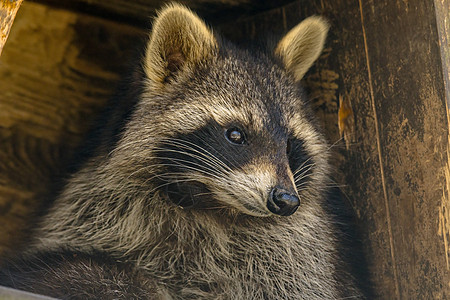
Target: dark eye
{"x": 235, "y": 135}
{"x": 288, "y": 146}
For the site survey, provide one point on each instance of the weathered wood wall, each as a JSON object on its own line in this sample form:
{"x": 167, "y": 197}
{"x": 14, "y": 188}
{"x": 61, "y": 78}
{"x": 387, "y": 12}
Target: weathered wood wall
{"x": 386, "y": 60}
{"x": 57, "y": 70}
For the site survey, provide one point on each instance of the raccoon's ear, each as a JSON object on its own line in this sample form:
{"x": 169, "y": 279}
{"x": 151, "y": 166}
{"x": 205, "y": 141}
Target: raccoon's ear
{"x": 178, "y": 41}
{"x": 302, "y": 45}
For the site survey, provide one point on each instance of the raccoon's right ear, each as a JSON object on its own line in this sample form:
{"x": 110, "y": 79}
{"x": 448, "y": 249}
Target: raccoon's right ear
{"x": 302, "y": 45}
{"x": 178, "y": 41}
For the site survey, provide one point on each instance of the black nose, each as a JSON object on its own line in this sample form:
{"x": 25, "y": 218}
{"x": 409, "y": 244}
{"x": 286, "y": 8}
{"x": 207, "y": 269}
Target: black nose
{"x": 282, "y": 203}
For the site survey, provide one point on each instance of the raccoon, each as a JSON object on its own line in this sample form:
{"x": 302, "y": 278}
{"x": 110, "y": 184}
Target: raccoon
{"x": 210, "y": 180}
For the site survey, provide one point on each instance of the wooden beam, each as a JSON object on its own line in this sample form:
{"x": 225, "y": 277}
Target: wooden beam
{"x": 8, "y": 10}
{"x": 140, "y": 12}
{"x": 12, "y": 294}
{"x": 409, "y": 100}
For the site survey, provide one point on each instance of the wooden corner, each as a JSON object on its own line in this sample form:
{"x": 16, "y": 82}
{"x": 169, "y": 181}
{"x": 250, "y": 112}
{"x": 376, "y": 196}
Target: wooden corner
{"x": 8, "y": 11}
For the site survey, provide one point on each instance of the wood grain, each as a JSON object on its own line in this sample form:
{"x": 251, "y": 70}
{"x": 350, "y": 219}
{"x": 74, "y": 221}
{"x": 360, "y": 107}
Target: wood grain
{"x": 8, "y": 11}
{"x": 57, "y": 70}
{"x": 139, "y": 12}
{"x": 410, "y": 103}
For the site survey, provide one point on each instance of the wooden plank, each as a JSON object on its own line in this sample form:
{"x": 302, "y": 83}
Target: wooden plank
{"x": 57, "y": 70}
{"x": 8, "y": 11}
{"x": 139, "y": 12}
{"x": 442, "y": 8}
{"x": 406, "y": 71}
{"x": 12, "y": 294}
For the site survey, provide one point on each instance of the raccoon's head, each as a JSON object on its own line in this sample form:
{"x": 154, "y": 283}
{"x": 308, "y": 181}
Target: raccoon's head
{"x": 218, "y": 127}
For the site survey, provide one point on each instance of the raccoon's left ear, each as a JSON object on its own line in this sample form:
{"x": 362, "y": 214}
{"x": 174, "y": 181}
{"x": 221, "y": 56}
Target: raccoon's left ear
{"x": 302, "y": 45}
{"x": 178, "y": 41}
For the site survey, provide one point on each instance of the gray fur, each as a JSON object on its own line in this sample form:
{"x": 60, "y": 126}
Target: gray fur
{"x": 224, "y": 250}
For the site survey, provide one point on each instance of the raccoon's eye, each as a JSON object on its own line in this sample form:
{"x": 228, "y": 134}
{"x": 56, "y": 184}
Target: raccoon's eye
{"x": 235, "y": 136}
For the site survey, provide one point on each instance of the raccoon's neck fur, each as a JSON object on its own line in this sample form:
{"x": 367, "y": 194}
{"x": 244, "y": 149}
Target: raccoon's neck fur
{"x": 198, "y": 250}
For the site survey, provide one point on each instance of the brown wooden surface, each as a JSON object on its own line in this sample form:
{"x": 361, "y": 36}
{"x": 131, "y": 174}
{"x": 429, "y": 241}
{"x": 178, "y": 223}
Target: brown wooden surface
{"x": 8, "y": 11}
{"x": 138, "y": 12}
{"x": 387, "y": 60}
{"x": 442, "y": 8}
{"x": 407, "y": 91}
{"x": 57, "y": 69}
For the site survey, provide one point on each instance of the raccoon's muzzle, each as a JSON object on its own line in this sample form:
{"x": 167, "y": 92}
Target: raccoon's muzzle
{"x": 282, "y": 202}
